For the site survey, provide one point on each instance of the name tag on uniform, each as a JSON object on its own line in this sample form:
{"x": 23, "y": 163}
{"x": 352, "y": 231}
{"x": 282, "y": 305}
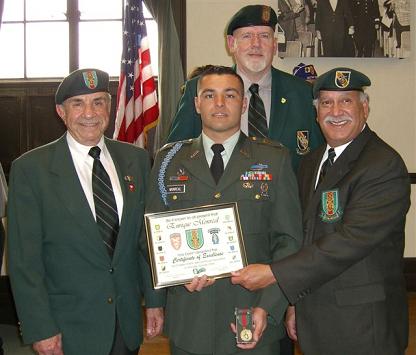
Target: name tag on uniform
{"x": 175, "y": 189}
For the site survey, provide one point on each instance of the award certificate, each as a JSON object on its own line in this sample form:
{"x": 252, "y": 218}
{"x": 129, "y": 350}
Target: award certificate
{"x": 193, "y": 242}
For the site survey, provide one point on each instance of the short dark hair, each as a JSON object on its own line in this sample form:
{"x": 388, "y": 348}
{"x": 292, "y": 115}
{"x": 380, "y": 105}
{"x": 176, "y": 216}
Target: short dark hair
{"x": 220, "y": 70}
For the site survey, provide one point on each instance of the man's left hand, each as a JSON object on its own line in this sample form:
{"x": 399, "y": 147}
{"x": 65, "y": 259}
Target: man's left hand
{"x": 254, "y": 277}
{"x": 154, "y": 321}
{"x": 259, "y": 325}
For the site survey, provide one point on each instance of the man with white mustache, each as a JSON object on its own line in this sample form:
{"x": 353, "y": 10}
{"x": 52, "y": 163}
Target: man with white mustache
{"x": 346, "y": 282}
{"x": 286, "y": 99}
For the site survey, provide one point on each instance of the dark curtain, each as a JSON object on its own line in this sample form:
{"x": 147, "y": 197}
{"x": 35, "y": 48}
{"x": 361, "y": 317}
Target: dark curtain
{"x": 171, "y": 75}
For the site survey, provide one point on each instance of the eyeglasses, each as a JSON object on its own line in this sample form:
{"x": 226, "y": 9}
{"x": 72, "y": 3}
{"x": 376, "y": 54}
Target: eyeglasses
{"x": 248, "y": 37}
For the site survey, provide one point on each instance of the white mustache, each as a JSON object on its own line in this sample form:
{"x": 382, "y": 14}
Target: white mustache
{"x": 333, "y": 119}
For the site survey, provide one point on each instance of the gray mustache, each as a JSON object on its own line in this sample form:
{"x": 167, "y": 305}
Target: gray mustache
{"x": 332, "y": 119}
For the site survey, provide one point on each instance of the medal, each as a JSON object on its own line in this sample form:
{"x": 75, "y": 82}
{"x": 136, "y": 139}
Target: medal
{"x": 246, "y": 335}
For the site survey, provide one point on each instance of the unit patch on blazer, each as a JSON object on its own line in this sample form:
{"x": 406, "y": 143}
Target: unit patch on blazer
{"x": 302, "y": 142}
{"x": 331, "y": 211}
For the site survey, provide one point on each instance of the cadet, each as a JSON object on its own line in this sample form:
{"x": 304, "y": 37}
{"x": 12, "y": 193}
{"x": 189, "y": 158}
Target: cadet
{"x": 198, "y": 317}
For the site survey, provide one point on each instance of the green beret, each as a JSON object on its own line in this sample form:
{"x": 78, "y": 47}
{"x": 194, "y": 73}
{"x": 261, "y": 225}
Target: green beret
{"x": 252, "y": 15}
{"x": 81, "y": 82}
{"x": 340, "y": 79}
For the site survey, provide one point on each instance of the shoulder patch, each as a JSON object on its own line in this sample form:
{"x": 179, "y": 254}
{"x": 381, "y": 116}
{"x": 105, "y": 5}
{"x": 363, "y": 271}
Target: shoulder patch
{"x": 170, "y": 145}
{"x": 266, "y": 141}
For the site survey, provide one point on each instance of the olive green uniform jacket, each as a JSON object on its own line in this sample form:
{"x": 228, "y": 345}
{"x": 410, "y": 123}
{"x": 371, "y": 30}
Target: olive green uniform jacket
{"x": 271, "y": 224}
{"x": 292, "y": 115}
{"x": 62, "y": 276}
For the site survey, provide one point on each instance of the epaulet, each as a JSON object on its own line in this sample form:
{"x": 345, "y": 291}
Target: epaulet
{"x": 170, "y": 145}
{"x": 266, "y": 141}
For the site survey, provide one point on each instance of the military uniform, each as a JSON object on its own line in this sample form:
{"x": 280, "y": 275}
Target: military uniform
{"x": 366, "y": 15}
{"x": 270, "y": 216}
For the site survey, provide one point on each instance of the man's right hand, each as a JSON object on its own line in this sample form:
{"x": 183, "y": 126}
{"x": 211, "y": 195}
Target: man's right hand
{"x": 50, "y": 346}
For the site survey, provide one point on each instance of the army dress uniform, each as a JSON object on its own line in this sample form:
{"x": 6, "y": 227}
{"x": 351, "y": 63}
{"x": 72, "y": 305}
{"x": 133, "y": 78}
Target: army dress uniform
{"x": 259, "y": 178}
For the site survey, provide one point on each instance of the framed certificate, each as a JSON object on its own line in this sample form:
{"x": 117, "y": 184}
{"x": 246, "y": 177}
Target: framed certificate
{"x": 193, "y": 242}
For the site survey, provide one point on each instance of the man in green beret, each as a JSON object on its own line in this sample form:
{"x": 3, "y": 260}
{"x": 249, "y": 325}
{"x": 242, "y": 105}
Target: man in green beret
{"x": 279, "y": 104}
{"x": 347, "y": 281}
{"x": 77, "y": 267}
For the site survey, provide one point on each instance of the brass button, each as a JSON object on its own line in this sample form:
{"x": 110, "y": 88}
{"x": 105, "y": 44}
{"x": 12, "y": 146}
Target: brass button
{"x": 111, "y": 270}
{"x": 174, "y": 197}
{"x": 217, "y": 195}
{"x": 110, "y": 300}
{"x": 257, "y": 197}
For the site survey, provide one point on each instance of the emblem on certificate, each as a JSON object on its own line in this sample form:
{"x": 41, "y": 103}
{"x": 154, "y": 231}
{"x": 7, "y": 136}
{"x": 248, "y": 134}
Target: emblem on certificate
{"x": 191, "y": 242}
{"x": 244, "y": 325}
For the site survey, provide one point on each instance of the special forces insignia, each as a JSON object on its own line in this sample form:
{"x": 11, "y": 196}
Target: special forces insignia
{"x": 302, "y": 142}
{"x": 331, "y": 211}
{"x": 214, "y": 235}
{"x": 342, "y": 78}
{"x": 90, "y": 79}
{"x": 194, "y": 238}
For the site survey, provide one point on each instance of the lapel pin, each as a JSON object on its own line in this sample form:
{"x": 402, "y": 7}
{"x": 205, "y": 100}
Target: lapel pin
{"x": 132, "y": 188}
{"x": 128, "y": 178}
{"x": 283, "y": 100}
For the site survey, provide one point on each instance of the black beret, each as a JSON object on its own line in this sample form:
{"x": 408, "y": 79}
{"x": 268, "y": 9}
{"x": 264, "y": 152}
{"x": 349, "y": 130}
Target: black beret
{"x": 340, "y": 79}
{"x": 81, "y": 82}
{"x": 252, "y": 15}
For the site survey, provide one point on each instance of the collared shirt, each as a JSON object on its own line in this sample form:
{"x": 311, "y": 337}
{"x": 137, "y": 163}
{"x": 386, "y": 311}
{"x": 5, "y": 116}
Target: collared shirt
{"x": 338, "y": 152}
{"x": 83, "y": 165}
{"x": 265, "y": 92}
{"x": 228, "y": 145}
{"x": 334, "y": 4}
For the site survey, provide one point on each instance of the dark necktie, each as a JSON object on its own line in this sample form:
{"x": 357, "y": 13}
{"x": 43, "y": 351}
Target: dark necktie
{"x": 105, "y": 202}
{"x": 257, "y": 122}
{"x": 217, "y": 164}
{"x": 327, "y": 164}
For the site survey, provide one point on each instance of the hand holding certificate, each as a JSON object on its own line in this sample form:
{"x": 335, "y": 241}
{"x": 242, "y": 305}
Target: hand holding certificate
{"x": 194, "y": 242}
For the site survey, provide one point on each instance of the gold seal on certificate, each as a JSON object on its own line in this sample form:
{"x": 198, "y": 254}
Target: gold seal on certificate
{"x": 193, "y": 242}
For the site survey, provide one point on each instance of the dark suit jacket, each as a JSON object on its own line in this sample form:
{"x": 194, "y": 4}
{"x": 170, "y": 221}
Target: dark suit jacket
{"x": 347, "y": 281}
{"x": 271, "y": 224}
{"x": 62, "y": 277}
{"x": 291, "y": 111}
{"x": 333, "y": 26}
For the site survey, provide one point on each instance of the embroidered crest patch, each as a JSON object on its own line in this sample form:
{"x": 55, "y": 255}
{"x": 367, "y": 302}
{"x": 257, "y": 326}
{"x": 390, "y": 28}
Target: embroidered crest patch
{"x": 342, "y": 78}
{"x": 302, "y": 142}
{"x": 90, "y": 79}
{"x": 331, "y": 211}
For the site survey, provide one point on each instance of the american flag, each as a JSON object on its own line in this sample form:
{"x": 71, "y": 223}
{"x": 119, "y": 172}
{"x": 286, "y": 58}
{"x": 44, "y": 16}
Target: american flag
{"x": 137, "y": 108}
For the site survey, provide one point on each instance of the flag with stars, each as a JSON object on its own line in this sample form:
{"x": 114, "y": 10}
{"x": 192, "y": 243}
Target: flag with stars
{"x": 137, "y": 107}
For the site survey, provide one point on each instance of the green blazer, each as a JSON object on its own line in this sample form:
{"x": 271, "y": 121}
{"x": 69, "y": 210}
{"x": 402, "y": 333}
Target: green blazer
{"x": 271, "y": 224}
{"x": 62, "y": 277}
{"x": 349, "y": 289}
{"x": 291, "y": 115}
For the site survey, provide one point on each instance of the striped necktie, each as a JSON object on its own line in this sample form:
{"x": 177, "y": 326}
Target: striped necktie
{"x": 327, "y": 164}
{"x": 257, "y": 122}
{"x": 105, "y": 202}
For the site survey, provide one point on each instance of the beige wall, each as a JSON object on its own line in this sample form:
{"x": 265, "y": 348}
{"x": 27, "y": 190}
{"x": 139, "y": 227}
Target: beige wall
{"x": 393, "y": 94}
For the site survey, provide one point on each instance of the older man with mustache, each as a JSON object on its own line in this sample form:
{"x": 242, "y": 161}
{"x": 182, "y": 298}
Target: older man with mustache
{"x": 347, "y": 281}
